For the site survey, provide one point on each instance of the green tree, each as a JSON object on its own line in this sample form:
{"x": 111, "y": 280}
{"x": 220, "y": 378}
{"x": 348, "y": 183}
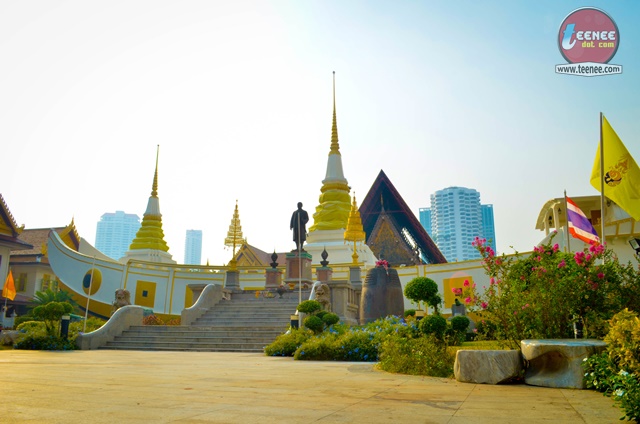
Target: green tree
{"x": 51, "y": 314}
{"x": 423, "y": 289}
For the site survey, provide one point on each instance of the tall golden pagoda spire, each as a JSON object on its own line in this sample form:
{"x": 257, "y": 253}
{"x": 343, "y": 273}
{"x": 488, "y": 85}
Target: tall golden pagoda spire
{"x": 333, "y": 211}
{"x": 355, "y": 231}
{"x": 150, "y": 235}
{"x": 335, "y": 146}
{"x": 234, "y": 236}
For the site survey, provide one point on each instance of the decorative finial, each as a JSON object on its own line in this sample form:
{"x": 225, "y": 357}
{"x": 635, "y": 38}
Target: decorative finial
{"x": 154, "y": 187}
{"x": 335, "y": 147}
{"x": 324, "y": 262}
{"x": 274, "y": 258}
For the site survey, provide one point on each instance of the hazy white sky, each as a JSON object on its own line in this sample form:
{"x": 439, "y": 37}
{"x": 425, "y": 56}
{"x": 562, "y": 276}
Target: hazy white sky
{"x": 238, "y": 96}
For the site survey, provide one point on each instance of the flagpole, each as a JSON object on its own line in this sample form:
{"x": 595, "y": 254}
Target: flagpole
{"x": 602, "y": 236}
{"x": 566, "y": 209}
{"x": 86, "y": 311}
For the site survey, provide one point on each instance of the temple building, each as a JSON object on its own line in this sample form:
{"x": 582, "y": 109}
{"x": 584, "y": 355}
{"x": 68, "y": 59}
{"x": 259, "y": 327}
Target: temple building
{"x": 393, "y": 231}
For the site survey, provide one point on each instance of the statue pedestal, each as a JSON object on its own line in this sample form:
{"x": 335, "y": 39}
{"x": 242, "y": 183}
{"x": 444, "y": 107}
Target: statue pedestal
{"x": 232, "y": 280}
{"x": 297, "y": 264}
{"x": 324, "y": 274}
{"x": 355, "y": 277}
{"x": 274, "y": 278}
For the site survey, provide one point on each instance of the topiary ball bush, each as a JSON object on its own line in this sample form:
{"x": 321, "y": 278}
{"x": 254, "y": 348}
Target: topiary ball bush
{"x": 434, "y": 324}
{"x": 459, "y": 324}
{"x": 321, "y": 314}
{"x": 330, "y": 318}
{"x": 314, "y": 323}
{"x": 309, "y": 306}
{"x": 409, "y": 313}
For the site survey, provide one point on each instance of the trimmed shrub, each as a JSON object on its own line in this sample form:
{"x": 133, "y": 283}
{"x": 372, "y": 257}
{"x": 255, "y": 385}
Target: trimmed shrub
{"x": 314, "y": 323}
{"x": 416, "y": 356}
{"x": 320, "y": 348}
{"x": 459, "y": 324}
{"x": 320, "y": 314}
{"x": 330, "y": 319}
{"x": 435, "y": 325}
{"x": 38, "y": 342}
{"x": 286, "y": 344}
{"x": 309, "y": 306}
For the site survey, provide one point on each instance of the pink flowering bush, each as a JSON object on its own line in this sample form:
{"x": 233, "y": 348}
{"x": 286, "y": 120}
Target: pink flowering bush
{"x": 543, "y": 294}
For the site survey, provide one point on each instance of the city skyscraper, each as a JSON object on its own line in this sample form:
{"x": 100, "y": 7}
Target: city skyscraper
{"x": 488, "y": 227}
{"x": 115, "y": 232}
{"x": 454, "y": 219}
{"x": 425, "y": 220}
{"x": 193, "y": 247}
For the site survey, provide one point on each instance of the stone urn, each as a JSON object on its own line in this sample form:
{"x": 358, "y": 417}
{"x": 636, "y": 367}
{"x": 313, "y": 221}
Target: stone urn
{"x": 381, "y": 295}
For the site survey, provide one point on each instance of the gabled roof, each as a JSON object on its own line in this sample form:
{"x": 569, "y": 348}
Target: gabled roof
{"x": 248, "y": 255}
{"x": 37, "y": 241}
{"x": 383, "y": 194}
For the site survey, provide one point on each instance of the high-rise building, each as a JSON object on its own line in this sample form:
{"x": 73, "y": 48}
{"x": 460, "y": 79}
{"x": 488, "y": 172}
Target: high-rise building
{"x": 425, "y": 220}
{"x": 115, "y": 232}
{"x": 488, "y": 227}
{"x": 193, "y": 247}
{"x": 455, "y": 219}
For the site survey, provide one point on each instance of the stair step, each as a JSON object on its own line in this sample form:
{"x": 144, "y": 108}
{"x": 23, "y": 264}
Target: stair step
{"x": 243, "y": 324}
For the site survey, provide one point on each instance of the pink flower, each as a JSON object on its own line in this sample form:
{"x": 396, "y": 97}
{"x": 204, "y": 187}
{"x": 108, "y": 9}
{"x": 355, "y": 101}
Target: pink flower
{"x": 484, "y": 305}
{"x": 556, "y": 247}
{"x": 562, "y": 264}
{"x": 600, "y": 275}
{"x": 492, "y": 281}
{"x": 466, "y": 283}
{"x": 467, "y": 300}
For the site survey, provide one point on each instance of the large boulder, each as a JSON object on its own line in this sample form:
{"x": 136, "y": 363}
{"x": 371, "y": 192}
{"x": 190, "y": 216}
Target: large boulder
{"x": 381, "y": 295}
{"x": 487, "y": 366}
{"x": 558, "y": 362}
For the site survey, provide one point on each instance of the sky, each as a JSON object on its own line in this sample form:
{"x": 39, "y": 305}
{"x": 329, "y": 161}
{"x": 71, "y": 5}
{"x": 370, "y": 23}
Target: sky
{"x": 238, "y": 95}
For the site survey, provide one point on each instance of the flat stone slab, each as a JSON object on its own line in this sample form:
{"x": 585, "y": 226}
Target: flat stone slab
{"x": 487, "y": 366}
{"x": 558, "y": 362}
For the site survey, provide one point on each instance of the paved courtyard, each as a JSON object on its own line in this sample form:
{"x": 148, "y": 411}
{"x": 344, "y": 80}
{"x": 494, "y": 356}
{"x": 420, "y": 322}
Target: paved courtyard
{"x": 197, "y": 387}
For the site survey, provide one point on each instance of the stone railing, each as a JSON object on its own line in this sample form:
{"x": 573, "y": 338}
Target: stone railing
{"x": 208, "y": 298}
{"x": 120, "y": 321}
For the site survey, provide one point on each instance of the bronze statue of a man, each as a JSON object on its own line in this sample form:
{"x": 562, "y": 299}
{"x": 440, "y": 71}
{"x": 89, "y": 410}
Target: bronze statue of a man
{"x": 299, "y": 221}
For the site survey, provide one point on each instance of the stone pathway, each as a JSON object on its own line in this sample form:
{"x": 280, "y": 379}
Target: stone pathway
{"x": 197, "y": 387}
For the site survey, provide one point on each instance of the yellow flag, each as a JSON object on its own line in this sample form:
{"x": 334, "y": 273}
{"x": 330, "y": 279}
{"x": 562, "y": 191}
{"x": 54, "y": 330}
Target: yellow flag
{"x": 621, "y": 173}
{"x": 9, "y": 289}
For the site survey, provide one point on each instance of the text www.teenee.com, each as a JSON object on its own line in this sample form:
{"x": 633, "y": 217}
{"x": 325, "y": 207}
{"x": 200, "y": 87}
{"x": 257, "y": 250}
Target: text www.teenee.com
{"x": 589, "y": 69}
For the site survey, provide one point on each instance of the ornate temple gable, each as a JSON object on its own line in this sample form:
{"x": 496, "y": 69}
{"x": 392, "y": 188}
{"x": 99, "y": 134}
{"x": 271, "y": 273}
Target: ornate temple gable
{"x": 70, "y": 236}
{"x": 248, "y": 256}
{"x": 9, "y": 230}
{"x": 383, "y": 196}
{"x": 8, "y": 226}
{"x": 387, "y": 243}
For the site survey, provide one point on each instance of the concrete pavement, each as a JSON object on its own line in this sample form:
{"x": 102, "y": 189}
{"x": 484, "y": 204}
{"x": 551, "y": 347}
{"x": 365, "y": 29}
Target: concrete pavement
{"x": 197, "y": 387}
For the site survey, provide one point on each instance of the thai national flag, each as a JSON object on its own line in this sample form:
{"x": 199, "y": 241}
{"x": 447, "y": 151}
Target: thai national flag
{"x": 579, "y": 225}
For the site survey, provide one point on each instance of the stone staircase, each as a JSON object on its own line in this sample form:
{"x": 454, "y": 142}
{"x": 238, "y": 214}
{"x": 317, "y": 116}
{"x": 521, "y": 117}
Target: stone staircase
{"x": 243, "y": 324}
